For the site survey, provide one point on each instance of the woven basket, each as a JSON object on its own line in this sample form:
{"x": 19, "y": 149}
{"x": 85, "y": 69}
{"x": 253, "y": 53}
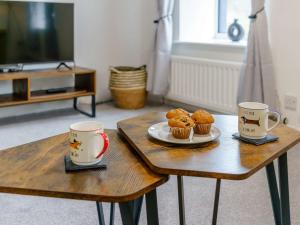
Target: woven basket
{"x": 128, "y": 86}
{"x": 129, "y": 98}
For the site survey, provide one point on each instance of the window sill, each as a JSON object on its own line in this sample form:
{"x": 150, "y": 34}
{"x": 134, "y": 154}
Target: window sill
{"x": 216, "y": 49}
{"x": 216, "y": 43}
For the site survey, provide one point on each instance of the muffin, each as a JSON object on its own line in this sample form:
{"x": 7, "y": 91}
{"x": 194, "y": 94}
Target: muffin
{"x": 176, "y": 112}
{"x": 181, "y": 126}
{"x": 203, "y": 121}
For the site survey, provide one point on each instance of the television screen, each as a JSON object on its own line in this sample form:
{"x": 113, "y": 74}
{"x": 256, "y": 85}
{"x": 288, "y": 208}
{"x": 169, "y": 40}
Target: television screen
{"x": 36, "y": 32}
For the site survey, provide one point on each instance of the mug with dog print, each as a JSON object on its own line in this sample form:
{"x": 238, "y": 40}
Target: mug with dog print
{"x": 254, "y": 120}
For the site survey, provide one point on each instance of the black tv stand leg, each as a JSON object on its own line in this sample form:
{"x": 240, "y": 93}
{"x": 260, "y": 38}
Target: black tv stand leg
{"x": 93, "y": 107}
{"x": 62, "y": 64}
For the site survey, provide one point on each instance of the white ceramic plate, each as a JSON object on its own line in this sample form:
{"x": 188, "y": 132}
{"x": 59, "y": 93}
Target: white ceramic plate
{"x": 161, "y": 131}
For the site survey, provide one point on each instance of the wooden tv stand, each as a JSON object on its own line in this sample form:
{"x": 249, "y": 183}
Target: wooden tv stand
{"x": 84, "y": 85}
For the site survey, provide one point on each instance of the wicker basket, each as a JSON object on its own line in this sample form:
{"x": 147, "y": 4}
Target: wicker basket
{"x": 128, "y": 98}
{"x": 128, "y": 86}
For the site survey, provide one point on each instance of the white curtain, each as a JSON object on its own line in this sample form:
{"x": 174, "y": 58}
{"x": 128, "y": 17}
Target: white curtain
{"x": 257, "y": 81}
{"x": 160, "y": 67}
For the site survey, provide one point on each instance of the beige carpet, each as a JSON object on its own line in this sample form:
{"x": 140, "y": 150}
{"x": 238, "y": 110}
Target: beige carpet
{"x": 241, "y": 203}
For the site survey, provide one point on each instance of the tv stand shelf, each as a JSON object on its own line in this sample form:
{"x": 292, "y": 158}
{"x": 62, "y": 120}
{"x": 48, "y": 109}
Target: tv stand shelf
{"x": 84, "y": 85}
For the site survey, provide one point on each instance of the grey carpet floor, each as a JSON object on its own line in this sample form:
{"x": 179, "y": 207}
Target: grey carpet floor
{"x": 241, "y": 202}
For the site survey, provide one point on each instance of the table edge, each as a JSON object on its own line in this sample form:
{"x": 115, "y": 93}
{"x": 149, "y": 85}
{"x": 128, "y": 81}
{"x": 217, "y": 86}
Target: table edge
{"x": 86, "y": 197}
{"x": 214, "y": 175}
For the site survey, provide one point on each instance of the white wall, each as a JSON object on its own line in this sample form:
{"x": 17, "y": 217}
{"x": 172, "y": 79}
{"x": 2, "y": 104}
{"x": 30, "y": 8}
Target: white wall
{"x": 113, "y": 32}
{"x": 285, "y": 43}
{"x": 107, "y": 32}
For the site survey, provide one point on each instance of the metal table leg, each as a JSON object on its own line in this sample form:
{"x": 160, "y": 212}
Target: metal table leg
{"x": 181, "y": 200}
{"x": 284, "y": 189}
{"x": 216, "y": 202}
{"x": 100, "y": 213}
{"x": 93, "y": 107}
{"x": 152, "y": 210}
{"x": 272, "y": 181}
{"x": 131, "y": 211}
{"x": 112, "y": 213}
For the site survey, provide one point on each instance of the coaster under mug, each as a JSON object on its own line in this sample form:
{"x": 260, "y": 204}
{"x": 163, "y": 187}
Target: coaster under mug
{"x": 71, "y": 167}
{"x": 269, "y": 138}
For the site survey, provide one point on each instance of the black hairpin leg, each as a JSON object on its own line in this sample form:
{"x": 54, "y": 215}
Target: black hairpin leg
{"x": 275, "y": 199}
{"x": 216, "y": 202}
{"x": 112, "y": 214}
{"x": 131, "y": 211}
{"x": 93, "y": 107}
{"x": 100, "y": 213}
{"x": 181, "y": 200}
{"x": 284, "y": 189}
{"x": 152, "y": 210}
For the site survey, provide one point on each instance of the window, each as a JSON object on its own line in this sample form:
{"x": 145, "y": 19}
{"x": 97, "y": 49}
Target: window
{"x": 229, "y": 10}
{"x": 204, "y": 20}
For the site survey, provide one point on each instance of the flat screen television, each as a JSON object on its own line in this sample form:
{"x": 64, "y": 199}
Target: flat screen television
{"x": 36, "y": 32}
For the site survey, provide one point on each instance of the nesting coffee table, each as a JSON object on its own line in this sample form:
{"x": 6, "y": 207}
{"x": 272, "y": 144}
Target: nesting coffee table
{"x": 38, "y": 169}
{"x": 225, "y": 158}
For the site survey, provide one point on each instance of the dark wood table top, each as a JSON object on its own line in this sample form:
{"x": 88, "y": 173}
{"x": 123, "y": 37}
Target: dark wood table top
{"x": 38, "y": 169}
{"x": 225, "y": 158}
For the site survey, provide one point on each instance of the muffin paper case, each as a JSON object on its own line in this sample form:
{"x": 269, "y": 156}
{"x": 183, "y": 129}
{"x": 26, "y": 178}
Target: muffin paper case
{"x": 202, "y": 129}
{"x": 181, "y": 133}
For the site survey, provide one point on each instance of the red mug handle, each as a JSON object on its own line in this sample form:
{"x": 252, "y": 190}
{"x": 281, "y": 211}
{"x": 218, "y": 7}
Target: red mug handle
{"x": 105, "y": 144}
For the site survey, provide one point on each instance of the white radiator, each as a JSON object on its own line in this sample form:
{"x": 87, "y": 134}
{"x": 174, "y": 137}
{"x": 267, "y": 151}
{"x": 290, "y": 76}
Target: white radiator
{"x": 206, "y": 83}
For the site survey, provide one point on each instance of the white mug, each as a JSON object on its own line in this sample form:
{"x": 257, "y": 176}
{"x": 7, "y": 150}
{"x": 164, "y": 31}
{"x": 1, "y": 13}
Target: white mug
{"x": 88, "y": 143}
{"x": 254, "y": 120}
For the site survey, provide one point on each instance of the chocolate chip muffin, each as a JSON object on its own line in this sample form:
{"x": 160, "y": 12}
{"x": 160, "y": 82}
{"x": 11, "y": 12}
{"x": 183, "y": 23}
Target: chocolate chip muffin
{"x": 181, "y": 126}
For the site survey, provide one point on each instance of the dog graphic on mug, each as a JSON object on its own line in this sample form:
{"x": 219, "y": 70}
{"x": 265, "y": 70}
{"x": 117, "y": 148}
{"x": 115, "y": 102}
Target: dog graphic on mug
{"x": 248, "y": 121}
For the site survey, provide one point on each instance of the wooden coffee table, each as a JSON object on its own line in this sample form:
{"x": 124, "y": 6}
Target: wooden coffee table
{"x": 38, "y": 169}
{"x": 225, "y": 158}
